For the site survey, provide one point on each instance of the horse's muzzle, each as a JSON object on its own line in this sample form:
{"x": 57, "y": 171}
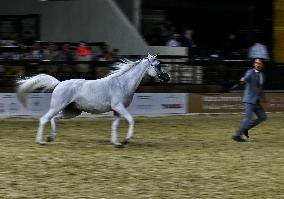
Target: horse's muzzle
{"x": 164, "y": 77}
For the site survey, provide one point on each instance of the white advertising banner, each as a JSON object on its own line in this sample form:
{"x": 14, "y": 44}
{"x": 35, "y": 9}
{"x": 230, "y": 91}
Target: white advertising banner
{"x": 37, "y": 104}
{"x": 158, "y": 103}
{"x": 142, "y": 104}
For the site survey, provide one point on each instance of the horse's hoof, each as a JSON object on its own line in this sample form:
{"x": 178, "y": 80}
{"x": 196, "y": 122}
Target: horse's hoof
{"x": 119, "y": 146}
{"x": 41, "y": 142}
{"x": 125, "y": 142}
{"x": 50, "y": 139}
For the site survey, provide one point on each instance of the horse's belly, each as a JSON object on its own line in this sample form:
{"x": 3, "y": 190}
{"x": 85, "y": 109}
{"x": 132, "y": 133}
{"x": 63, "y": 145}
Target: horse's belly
{"x": 92, "y": 108}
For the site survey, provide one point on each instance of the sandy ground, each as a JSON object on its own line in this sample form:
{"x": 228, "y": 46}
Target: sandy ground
{"x": 189, "y": 156}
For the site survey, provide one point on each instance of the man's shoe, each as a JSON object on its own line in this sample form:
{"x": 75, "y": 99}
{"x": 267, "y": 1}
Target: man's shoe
{"x": 246, "y": 133}
{"x": 238, "y": 138}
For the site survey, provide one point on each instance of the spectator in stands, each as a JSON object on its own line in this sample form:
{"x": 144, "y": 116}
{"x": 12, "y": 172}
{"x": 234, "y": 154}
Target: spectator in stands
{"x": 187, "y": 41}
{"x": 106, "y": 54}
{"x": 67, "y": 54}
{"x": 258, "y": 50}
{"x": 51, "y": 52}
{"x": 36, "y": 51}
{"x": 173, "y": 41}
{"x": 231, "y": 48}
{"x": 116, "y": 54}
{"x": 83, "y": 53}
{"x": 83, "y": 50}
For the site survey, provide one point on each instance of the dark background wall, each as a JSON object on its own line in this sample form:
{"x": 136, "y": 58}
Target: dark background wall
{"x": 213, "y": 20}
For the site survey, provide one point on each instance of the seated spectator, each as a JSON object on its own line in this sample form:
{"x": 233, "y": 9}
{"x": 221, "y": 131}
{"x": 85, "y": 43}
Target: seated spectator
{"x": 83, "y": 53}
{"x": 106, "y": 54}
{"x": 173, "y": 42}
{"x": 51, "y": 52}
{"x": 36, "y": 51}
{"x": 67, "y": 53}
{"x": 116, "y": 54}
{"x": 83, "y": 50}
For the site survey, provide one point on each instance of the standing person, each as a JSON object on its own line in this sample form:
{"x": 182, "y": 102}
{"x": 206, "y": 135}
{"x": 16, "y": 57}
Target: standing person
{"x": 253, "y": 93}
{"x": 188, "y": 41}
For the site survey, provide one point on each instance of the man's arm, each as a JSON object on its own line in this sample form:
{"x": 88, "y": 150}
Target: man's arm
{"x": 246, "y": 78}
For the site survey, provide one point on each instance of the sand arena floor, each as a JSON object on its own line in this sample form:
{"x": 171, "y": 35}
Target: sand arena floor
{"x": 170, "y": 157}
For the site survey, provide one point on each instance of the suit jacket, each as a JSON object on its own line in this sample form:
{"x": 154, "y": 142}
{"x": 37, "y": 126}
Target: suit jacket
{"x": 253, "y": 87}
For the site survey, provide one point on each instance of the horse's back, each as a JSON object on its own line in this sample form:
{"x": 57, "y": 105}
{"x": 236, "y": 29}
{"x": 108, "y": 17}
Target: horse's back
{"x": 86, "y": 95}
{"x": 94, "y": 96}
{"x": 89, "y": 95}
{"x": 65, "y": 92}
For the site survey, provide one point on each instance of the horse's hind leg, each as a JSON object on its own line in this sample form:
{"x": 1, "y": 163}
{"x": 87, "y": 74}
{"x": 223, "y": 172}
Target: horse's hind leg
{"x": 67, "y": 113}
{"x": 53, "y": 133}
{"x": 42, "y": 122}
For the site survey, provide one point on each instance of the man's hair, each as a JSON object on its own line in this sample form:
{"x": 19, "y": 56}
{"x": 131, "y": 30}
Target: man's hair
{"x": 261, "y": 59}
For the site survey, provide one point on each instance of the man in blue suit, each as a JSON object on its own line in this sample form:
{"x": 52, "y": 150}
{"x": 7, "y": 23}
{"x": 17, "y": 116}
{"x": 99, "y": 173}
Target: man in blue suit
{"x": 253, "y": 93}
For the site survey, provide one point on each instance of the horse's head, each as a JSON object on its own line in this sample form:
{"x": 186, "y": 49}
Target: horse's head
{"x": 155, "y": 69}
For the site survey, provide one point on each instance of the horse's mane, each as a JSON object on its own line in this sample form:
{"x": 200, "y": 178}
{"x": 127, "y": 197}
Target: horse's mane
{"x": 123, "y": 66}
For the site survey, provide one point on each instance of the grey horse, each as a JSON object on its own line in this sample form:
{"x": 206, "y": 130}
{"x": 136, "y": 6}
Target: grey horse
{"x": 111, "y": 93}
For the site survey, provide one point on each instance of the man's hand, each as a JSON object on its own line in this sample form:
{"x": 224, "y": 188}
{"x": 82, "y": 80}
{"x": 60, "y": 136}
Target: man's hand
{"x": 242, "y": 82}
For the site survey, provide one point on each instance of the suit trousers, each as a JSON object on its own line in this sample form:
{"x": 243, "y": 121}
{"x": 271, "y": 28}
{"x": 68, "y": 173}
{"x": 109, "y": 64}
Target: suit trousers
{"x": 248, "y": 121}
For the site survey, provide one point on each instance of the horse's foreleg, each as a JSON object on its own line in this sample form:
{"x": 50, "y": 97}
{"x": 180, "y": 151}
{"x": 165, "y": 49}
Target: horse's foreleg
{"x": 42, "y": 122}
{"x": 114, "y": 126}
{"x": 123, "y": 111}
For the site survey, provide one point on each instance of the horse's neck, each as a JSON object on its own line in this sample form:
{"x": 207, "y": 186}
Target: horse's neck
{"x": 134, "y": 76}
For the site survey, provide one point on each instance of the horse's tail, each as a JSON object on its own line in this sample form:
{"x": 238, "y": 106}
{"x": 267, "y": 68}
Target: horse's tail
{"x": 30, "y": 84}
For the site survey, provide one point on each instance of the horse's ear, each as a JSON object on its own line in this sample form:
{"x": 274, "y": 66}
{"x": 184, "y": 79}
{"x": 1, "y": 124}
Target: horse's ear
{"x": 149, "y": 55}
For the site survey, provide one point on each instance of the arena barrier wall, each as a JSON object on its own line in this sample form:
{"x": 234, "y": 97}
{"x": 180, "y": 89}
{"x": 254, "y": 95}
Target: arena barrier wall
{"x": 149, "y": 103}
{"x": 229, "y": 102}
{"x": 37, "y": 104}
{"x": 142, "y": 104}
